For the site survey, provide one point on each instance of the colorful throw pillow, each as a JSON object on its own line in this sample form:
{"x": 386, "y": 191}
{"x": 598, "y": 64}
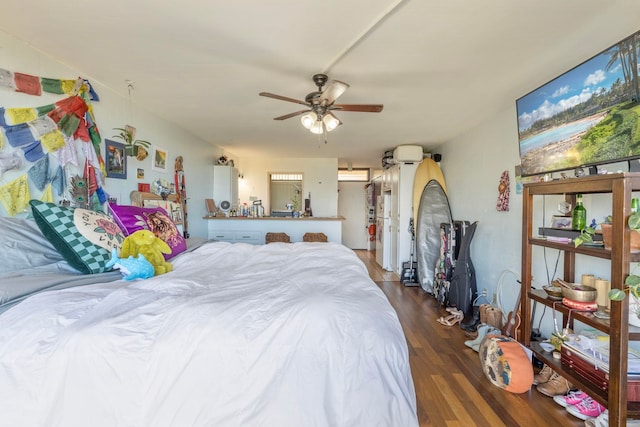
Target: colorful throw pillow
{"x": 134, "y": 218}
{"x": 83, "y": 237}
{"x": 505, "y": 363}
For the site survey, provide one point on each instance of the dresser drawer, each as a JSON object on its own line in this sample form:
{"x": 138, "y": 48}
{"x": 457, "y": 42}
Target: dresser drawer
{"x": 253, "y": 237}
{"x": 222, "y": 236}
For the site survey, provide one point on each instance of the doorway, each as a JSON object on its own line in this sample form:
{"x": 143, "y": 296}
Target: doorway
{"x": 352, "y": 205}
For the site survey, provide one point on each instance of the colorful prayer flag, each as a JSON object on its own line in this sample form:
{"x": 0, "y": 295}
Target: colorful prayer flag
{"x": 15, "y": 195}
{"x": 27, "y": 84}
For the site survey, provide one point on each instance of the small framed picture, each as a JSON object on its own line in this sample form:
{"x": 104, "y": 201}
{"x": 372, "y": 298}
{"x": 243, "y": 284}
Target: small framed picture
{"x": 160, "y": 156}
{"x": 140, "y": 173}
{"x": 116, "y": 160}
{"x": 561, "y": 222}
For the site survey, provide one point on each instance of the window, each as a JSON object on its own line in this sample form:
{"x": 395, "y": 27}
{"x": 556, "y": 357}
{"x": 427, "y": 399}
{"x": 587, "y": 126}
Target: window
{"x": 357, "y": 175}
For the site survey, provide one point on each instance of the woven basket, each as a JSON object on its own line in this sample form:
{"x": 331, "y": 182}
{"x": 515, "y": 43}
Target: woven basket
{"x": 277, "y": 237}
{"x": 314, "y": 237}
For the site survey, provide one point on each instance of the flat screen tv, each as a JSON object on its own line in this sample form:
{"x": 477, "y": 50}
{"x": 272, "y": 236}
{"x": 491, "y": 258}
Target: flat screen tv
{"x": 588, "y": 116}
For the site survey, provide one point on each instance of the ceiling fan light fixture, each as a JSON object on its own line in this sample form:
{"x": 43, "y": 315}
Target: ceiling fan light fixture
{"x": 309, "y": 119}
{"x": 317, "y": 127}
{"x": 330, "y": 122}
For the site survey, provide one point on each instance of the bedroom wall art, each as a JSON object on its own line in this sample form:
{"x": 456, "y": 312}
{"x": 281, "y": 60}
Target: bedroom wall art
{"x": 53, "y": 142}
{"x": 160, "y": 156}
{"x": 116, "y": 159}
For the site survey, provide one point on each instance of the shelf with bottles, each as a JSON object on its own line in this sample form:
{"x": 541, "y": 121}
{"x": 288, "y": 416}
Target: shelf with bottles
{"x": 594, "y": 251}
{"x": 619, "y": 189}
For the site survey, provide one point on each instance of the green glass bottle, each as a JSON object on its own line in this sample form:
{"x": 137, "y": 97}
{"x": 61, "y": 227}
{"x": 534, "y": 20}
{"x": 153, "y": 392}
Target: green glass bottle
{"x": 579, "y": 217}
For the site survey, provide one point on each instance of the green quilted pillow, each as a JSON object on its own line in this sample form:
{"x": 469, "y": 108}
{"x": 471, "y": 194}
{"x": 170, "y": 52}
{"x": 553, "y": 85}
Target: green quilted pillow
{"x": 83, "y": 237}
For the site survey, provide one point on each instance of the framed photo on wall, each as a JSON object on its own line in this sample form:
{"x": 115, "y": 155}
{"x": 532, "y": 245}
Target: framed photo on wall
{"x": 115, "y": 159}
{"x": 160, "y": 156}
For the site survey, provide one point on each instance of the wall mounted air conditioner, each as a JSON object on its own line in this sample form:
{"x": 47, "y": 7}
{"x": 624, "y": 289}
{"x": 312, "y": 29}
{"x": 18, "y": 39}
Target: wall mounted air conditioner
{"x": 407, "y": 154}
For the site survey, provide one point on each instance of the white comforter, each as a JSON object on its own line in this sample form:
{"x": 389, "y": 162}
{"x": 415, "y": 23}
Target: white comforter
{"x": 238, "y": 335}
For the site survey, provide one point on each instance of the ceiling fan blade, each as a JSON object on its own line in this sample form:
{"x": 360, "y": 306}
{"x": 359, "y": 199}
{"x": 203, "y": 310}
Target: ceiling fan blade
{"x": 282, "y": 98}
{"x": 334, "y": 89}
{"x": 365, "y": 108}
{"x": 287, "y": 116}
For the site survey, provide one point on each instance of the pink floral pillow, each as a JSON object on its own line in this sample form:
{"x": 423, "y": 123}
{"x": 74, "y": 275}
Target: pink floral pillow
{"x": 133, "y": 218}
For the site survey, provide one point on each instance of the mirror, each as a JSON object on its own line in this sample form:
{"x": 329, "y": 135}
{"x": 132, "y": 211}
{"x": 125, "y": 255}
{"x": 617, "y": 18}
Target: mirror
{"x": 285, "y": 190}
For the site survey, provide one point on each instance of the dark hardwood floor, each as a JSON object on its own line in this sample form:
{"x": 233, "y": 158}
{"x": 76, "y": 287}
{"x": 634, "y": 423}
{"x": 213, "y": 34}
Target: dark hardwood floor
{"x": 451, "y": 388}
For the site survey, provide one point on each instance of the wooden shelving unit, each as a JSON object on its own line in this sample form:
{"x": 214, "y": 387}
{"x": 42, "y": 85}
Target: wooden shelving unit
{"x": 620, "y": 186}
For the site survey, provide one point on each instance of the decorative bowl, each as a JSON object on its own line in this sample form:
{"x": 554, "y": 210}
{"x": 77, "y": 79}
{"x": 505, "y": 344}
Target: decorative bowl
{"x": 580, "y": 293}
{"x": 553, "y": 291}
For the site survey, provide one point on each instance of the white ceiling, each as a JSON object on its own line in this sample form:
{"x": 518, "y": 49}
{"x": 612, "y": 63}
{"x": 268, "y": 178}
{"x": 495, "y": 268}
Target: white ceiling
{"x": 439, "y": 67}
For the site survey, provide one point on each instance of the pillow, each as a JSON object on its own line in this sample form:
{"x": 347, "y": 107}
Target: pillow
{"x": 83, "y": 237}
{"x": 23, "y": 246}
{"x": 134, "y": 218}
{"x": 505, "y": 363}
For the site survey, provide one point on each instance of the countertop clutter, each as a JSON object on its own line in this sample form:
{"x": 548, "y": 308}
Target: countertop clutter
{"x": 277, "y": 218}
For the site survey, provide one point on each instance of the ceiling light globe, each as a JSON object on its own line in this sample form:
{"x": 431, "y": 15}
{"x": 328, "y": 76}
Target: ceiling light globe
{"x": 330, "y": 122}
{"x": 317, "y": 128}
{"x": 309, "y": 119}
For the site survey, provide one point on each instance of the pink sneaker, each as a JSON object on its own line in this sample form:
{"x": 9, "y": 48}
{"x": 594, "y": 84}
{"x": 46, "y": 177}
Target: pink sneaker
{"x": 586, "y": 409}
{"x": 571, "y": 398}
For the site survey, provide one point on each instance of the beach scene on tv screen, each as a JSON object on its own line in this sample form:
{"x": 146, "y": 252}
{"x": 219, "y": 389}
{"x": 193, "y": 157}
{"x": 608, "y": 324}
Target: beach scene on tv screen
{"x": 588, "y": 116}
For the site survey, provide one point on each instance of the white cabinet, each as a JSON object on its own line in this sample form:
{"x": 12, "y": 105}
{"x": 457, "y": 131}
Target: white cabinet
{"x": 400, "y": 178}
{"x": 225, "y": 185}
{"x": 253, "y": 230}
{"x": 236, "y": 236}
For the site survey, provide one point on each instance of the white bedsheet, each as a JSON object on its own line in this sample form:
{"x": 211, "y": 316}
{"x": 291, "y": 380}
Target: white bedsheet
{"x": 238, "y": 335}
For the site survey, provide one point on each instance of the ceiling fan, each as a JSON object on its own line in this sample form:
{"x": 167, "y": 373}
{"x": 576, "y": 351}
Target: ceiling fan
{"x": 318, "y": 117}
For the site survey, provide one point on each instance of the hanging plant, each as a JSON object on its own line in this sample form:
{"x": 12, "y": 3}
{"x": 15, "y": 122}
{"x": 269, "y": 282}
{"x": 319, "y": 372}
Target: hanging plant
{"x": 138, "y": 147}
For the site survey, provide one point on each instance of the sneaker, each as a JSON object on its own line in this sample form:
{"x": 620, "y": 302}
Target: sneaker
{"x": 571, "y": 398}
{"x": 543, "y": 376}
{"x": 586, "y": 409}
{"x": 557, "y": 385}
{"x": 602, "y": 420}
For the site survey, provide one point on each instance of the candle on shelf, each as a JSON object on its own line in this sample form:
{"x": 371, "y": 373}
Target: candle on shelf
{"x": 603, "y": 287}
{"x": 588, "y": 280}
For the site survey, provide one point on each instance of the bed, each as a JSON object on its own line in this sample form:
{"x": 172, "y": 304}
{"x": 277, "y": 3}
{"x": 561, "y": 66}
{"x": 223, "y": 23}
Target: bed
{"x": 237, "y": 335}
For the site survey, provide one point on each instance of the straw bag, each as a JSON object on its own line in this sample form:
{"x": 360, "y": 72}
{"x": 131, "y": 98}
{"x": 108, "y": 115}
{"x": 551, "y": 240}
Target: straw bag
{"x": 491, "y": 316}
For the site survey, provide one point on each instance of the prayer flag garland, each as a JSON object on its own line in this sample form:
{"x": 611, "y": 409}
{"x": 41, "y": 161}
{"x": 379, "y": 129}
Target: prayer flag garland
{"x": 33, "y": 85}
{"x": 52, "y": 128}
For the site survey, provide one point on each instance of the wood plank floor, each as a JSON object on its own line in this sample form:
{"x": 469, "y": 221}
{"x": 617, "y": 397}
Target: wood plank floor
{"x": 450, "y": 386}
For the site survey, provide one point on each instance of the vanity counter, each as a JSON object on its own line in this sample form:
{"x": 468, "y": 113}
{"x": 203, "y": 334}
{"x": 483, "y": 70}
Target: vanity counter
{"x": 253, "y": 230}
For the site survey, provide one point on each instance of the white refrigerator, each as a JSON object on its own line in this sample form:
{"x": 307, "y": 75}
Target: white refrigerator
{"x": 383, "y": 224}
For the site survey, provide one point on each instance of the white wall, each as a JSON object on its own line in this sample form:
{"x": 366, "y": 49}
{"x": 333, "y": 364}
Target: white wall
{"x": 320, "y": 178}
{"x": 472, "y": 166}
{"x": 114, "y": 110}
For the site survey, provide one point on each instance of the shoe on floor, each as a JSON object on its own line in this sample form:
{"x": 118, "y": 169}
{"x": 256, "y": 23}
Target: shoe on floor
{"x": 603, "y": 421}
{"x": 586, "y": 409}
{"x": 571, "y": 398}
{"x": 543, "y": 376}
{"x": 557, "y": 385}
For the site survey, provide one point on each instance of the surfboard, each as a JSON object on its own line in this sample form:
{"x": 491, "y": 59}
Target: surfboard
{"x": 430, "y": 208}
{"x": 427, "y": 170}
{"x": 433, "y": 210}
